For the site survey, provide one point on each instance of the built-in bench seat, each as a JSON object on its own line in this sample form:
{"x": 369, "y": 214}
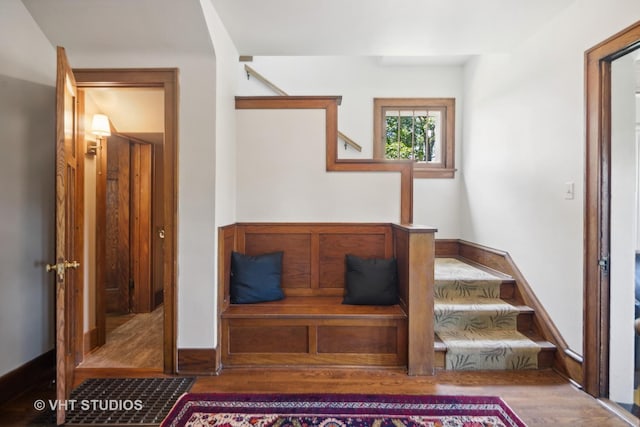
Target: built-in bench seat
{"x": 311, "y": 326}
{"x": 292, "y": 307}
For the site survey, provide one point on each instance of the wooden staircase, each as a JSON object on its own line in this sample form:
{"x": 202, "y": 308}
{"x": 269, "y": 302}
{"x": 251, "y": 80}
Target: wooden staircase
{"x": 526, "y": 323}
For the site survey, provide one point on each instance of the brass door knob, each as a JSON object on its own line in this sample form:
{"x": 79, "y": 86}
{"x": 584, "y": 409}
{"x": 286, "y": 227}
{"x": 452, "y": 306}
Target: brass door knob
{"x": 60, "y": 267}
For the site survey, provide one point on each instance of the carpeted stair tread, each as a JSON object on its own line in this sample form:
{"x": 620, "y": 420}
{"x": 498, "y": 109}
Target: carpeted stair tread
{"x": 485, "y": 339}
{"x": 454, "y": 289}
{"x": 490, "y": 350}
{"x": 545, "y": 356}
{"x": 440, "y": 346}
{"x": 475, "y": 304}
{"x": 471, "y": 317}
{"x": 456, "y": 279}
{"x": 454, "y": 269}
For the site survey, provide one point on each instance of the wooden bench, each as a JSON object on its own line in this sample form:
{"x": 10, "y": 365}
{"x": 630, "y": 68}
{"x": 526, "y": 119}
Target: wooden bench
{"x": 311, "y": 326}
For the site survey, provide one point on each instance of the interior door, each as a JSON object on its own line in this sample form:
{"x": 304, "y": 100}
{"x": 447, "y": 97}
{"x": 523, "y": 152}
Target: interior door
{"x": 68, "y": 224}
{"x": 157, "y": 225}
{"x": 117, "y": 229}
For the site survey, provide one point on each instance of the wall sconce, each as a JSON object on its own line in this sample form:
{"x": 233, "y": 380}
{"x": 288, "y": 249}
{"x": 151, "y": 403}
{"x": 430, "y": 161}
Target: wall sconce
{"x": 100, "y": 128}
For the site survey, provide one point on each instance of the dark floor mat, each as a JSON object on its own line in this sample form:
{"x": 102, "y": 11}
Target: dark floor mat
{"x": 121, "y": 401}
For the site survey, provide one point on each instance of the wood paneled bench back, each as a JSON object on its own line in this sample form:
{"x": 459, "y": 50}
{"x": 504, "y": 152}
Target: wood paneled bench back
{"x": 311, "y": 326}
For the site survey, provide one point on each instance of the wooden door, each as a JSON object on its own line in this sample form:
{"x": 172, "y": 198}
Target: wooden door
{"x": 141, "y": 300}
{"x": 68, "y": 228}
{"x": 157, "y": 226}
{"x": 128, "y": 285}
{"x": 117, "y": 239}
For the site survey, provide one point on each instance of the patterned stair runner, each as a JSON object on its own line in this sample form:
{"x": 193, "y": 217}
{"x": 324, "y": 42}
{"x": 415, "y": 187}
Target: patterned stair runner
{"x": 477, "y": 327}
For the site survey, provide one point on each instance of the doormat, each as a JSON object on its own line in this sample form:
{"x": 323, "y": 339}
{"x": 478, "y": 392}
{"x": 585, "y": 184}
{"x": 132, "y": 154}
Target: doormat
{"x": 121, "y": 401}
{"x": 334, "y": 410}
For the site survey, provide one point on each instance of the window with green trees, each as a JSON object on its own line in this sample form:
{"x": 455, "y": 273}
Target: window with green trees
{"x": 417, "y": 129}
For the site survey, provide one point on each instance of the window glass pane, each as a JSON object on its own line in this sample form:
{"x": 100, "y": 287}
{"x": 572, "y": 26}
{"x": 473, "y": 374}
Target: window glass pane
{"x": 434, "y": 137}
{"x": 406, "y": 137}
{"x": 392, "y": 147}
{"x": 420, "y": 142}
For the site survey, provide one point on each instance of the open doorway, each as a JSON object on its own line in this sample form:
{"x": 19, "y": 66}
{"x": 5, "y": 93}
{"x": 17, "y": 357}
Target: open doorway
{"x": 133, "y": 256}
{"x": 623, "y": 364}
{"x": 123, "y": 215}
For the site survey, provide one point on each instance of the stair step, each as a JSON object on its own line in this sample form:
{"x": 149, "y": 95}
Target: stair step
{"x": 480, "y": 314}
{"x": 546, "y": 355}
{"x": 471, "y": 271}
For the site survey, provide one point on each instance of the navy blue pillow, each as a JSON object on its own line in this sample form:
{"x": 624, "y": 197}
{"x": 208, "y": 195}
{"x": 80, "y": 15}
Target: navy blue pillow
{"x": 256, "y": 278}
{"x": 371, "y": 281}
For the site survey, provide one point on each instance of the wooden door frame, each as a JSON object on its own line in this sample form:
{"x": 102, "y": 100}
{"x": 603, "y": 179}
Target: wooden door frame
{"x": 167, "y": 79}
{"x": 598, "y": 205}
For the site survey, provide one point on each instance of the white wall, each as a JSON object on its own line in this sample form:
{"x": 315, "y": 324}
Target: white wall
{"x": 225, "y": 116}
{"x": 358, "y": 80}
{"x": 27, "y": 187}
{"x": 623, "y": 229}
{"x": 224, "y": 189}
{"x": 523, "y": 140}
{"x": 282, "y": 174}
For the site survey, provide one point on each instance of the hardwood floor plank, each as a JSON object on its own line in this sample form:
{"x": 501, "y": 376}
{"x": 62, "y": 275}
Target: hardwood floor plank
{"x": 135, "y": 342}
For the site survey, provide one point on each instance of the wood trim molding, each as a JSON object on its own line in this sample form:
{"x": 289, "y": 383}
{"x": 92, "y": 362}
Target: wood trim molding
{"x": 334, "y": 164}
{"x": 566, "y": 361}
{"x": 597, "y": 204}
{"x": 26, "y": 376}
{"x": 90, "y": 340}
{"x": 197, "y": 361}
{"x": 166, "y": 78}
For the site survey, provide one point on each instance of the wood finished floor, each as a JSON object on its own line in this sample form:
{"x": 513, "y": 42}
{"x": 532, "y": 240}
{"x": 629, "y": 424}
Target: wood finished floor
{"x": 540, "y": 398}
{"x": 133, "y": 341}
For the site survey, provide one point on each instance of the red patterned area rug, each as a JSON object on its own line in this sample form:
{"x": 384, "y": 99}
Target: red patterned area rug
{"x": 336, "y": 410}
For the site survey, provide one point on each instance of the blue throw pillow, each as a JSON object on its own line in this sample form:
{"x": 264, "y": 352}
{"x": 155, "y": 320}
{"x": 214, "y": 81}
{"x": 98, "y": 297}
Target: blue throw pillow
{"x": 371, "y": 281}
{"x": 256, "y": 278}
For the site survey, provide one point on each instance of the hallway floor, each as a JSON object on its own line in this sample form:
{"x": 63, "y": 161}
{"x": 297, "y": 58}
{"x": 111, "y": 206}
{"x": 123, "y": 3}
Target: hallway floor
{"x": 136, "y": 343}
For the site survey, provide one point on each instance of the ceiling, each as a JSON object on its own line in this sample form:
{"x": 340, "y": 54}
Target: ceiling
{"x": 407, "y": 28}
{"x": 136, "y": 112}
{"x": 437, "y": 29}
{"x": 123, "y": 25}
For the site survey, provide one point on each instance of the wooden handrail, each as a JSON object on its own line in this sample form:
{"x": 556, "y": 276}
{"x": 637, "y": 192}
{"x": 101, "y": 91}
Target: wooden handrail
{"x": 251, "y": 72}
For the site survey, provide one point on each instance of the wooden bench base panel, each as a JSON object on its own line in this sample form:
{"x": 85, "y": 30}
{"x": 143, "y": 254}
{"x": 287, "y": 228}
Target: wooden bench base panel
{"x": 314, "y": 342}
